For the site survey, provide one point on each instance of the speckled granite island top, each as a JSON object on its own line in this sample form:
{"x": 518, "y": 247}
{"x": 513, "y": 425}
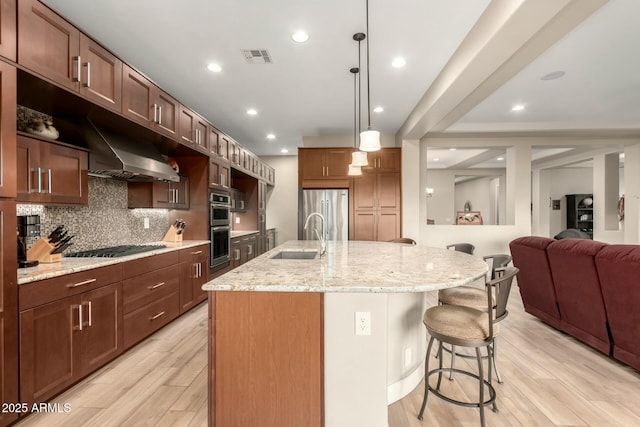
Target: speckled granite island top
{"x": 353, "y": 266}
{"x": 74, "y": 265}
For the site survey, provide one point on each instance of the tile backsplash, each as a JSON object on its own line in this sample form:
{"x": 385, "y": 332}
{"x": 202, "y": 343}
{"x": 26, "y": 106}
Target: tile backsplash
{"x": 105, "y": 222}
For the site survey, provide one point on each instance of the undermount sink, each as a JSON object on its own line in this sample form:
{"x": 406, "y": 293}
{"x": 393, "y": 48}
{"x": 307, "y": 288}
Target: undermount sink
{"x": 295, "y": 255}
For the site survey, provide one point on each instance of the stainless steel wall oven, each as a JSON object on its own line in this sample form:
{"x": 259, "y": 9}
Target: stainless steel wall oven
{"x": 220, "y": 225}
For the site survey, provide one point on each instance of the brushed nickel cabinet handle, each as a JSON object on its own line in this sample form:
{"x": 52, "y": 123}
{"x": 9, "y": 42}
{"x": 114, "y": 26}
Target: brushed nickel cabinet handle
{"x": 49, "y": 177}
{"x": 157, "y": 315}
{"x": 89, "y": 305}
{"x": 155, "y": 113}
{"x": 160, "y": 115}
{"x": 156, "y": 286}
{"x": 88, "y": 83}
{"x": 85, "y": 282}
{"x": 196, "y": 253}
{"x": 237, "y": 254}
{"x": 77, "y": 60}
{"x": 39, "y": 180}
{"x": 79, "y": 327}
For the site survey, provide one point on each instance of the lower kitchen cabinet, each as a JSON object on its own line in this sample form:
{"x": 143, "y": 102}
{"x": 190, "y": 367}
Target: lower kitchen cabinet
{"x": 194, "y": 272}
{"x": 143, "y": 322}
{"x": 65, "y": 340}
{"x": 243, "y": 249}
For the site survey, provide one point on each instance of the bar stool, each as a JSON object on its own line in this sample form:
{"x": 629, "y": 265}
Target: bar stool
{"x": 468, "y": 327}
{"x": 469, "y": 296}
{"x": 467, "y": 248}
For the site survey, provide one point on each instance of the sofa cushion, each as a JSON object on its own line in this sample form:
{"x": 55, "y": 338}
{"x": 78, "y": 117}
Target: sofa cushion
{"x": 535, "y": 280}
{"x": 578, "y": 290}
{"x": 619, "y": 273}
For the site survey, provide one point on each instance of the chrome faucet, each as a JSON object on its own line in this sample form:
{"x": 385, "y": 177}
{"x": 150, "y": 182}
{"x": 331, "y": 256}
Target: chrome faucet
{"x": 323, "y": 242}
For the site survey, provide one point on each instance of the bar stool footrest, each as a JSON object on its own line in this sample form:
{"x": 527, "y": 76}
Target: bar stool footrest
{"x": 435, "y": 391}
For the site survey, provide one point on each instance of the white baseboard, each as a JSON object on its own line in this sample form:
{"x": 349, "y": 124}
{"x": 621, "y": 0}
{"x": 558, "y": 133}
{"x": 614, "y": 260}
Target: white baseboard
{"x": 400, "y": 389}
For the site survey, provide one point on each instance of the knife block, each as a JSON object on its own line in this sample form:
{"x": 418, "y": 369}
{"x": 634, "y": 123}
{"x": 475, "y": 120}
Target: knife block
{"x": 41, "y": 251}
{"x": 172, "y": 235}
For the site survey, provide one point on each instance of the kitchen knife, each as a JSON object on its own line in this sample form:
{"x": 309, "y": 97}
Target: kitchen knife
{"x": 60, "y": 249}
{"x": 54, "y": 236}
{"x": 64, "y": 241}
{"x": 181, "y": 227}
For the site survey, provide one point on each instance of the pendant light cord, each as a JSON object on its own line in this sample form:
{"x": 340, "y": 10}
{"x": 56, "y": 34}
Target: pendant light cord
{"x": 359, "y": 92}
{"x": 368, "y": 85}
{"x": 355, "y": 112}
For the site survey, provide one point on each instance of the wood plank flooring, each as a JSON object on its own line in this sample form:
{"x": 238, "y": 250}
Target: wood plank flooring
{"x": 550, "y": 379}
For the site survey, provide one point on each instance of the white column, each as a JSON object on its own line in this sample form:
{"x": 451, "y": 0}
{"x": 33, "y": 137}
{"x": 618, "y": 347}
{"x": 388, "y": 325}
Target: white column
{"x": 632, "y": 194}
{"x": 606, "y": 184}
{"x": 413, "y": 195}
{"x": 519, "y": 185}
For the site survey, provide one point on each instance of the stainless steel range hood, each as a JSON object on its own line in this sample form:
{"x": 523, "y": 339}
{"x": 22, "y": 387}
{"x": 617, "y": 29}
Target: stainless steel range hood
{"x": 134, "y": 160}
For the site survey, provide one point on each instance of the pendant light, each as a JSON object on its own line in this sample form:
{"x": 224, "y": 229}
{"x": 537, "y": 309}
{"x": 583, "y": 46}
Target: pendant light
{"x": 355, "y": 169}
{"x": 358, "y": 157}
{"x": 369, "y": 139}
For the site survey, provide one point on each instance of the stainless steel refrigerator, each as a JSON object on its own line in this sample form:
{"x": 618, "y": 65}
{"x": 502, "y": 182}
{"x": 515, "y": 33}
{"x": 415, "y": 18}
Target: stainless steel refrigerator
{"x": 333, "y": 205}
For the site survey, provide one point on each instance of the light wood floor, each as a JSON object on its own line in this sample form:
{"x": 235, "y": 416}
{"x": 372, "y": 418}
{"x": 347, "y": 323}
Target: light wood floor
{"x": 550, "y": 380}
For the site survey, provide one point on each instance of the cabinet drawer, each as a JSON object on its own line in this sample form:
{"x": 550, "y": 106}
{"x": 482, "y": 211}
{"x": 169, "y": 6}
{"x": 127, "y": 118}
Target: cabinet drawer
{"x": 148, "y": 319}
{"x": 148, "y": 264}
{"x": 191, "y": 254}
{"x": 149, "y": 287}
{"x": 45, "y": 291}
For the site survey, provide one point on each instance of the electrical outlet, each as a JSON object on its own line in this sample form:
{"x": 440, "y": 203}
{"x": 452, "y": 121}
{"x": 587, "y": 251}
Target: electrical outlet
{"x": 407, "y": 357}
{"x": 363, "y": 322}
{"x": 145, "y": 222}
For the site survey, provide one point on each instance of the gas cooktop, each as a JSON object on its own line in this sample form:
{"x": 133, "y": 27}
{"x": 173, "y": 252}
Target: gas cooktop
{"x": 115, "y": 251}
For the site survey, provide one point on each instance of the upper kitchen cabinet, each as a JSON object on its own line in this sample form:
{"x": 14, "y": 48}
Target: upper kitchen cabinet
{"x": 159, "y": 194}
{"x": 7, "y": 130}
{"x": 223, "y": 147}
{"x": 385, "y": 160}
{"x": 219, "y": 173}
{"x": 194, "y": 131}
{"x": 53, "y": 48}
{"x": 51, "y": 173}
{"x": 145, "y": 103}
{"x": 324, "y": 167}
{"x": 8, "y": 43}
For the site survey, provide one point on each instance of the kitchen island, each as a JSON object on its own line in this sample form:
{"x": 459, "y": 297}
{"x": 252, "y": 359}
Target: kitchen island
{"x": 283, "y": 344}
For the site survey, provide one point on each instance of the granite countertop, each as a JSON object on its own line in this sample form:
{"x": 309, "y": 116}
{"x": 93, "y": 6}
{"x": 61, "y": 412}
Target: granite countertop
{"x": 241, "y": 233}
{"x": 354, "y": 266}
{"x": 74, "y": 265}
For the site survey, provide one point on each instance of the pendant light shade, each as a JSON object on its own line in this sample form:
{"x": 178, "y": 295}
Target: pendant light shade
{"x": 359, "y": 158}
{"x": 370, "y": 140}
{"x": 354, "y": 170}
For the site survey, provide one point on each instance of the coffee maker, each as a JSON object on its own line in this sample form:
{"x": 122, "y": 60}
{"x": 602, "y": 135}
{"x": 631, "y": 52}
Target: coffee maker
{"x": 28, "y": 227}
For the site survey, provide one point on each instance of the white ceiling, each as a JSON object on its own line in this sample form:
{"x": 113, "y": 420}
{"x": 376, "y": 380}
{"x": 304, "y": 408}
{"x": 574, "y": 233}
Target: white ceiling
{"x": 308, "y": 90}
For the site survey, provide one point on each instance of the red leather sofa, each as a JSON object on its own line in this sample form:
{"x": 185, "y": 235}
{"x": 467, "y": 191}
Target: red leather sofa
{"x": 588, "y": 289}
{"x": 619, "y": 271}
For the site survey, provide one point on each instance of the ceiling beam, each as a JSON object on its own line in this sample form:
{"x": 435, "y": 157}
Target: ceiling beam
{"x": 485, "y": 156}
{"x": 507, "y": 37}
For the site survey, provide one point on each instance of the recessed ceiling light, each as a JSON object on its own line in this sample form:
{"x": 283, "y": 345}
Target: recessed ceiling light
{"x": 284, "y": 151}
{"x": 452, "y": 149}
{"x": 436, "y": 159}
{"x": 271, "y": 136}
{"x": 398, "y": 63}
{"x": 216, "y": 68}
{"x": 518, "y": 107}
{"x": 553, "y": 75}
{"x": 500, "y": 158}
{"x": 300, "y": 36}
{"x": 378, "y": 110}
{"x": 621, "y": 155}
{"x": 252, "y": 112}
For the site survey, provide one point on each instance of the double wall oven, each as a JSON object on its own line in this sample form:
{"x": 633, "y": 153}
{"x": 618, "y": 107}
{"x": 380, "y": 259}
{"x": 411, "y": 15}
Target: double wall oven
{"x": 220, "y": 224}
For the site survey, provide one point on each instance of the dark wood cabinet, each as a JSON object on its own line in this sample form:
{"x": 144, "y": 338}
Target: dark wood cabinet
{"x": 580, "y": 213}
{"x": 377, "y": 191}
{"x": 219, "y": 173}
{"x": 65, "y": 340}
{"x": 385, "y": 160}
{"x": 8, "y": 309}
{"x": 145, "y": 103}
{"x": 7, "y": 127}
{"x": 375, "y": 225}
{"x": 322, "y": 167}
{"x": 223, "y": 146}
{"x": 50, "y": 173}
{"x": 243, "y": 249}
{"x": 48, "y": 45}
{"x": 194, "y": 272}
{"x": 159, "y": 194}
{"x": 194, "y": 131}
{"x": 8, "y": 36}
{"x": 100, "y": 75}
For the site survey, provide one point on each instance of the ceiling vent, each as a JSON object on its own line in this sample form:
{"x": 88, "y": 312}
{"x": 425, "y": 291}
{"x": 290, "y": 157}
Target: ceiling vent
{"x": 257, "y": 56}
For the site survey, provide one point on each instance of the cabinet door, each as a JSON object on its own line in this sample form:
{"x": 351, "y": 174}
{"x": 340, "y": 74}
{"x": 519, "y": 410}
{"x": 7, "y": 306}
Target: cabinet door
{"x": 312, "y": 163}
{"x": 218, "y": 173}
{"x": 187, "y": 126}
{"x": 101, "y": 75}
{"x": 188, "y": 272}
{"x": 202, "y": 135}
{"x": 387, "y": 226}
{"x": 388, "y": 190}
{"x": 102, "y": 327}
{"x": 136, "y": 96}
{"x": 163, "y": 195}
{"x": 364, "y": 225}
{"x": 65, "y": 179}
{"x": 48, "y": 45}
{"x": 49, "y": 348}
{"x": 236, "y": 253}
{"x": 388, "y": 160}
{"x": 28, "y": 162}
{"x": 337, "y": 162}
{"x": 223, "y": 147}
{"x": 202, "y": 261}
{"x": 364, "y": 191}
{"x": 8, "y": 310}
{"x": 167, "y": 114}
{"x": 262, "y": 195}
{"x": 181, "y": 190}
{"x": 7, "y": 128}
{"x": 8, "y": 34}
